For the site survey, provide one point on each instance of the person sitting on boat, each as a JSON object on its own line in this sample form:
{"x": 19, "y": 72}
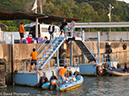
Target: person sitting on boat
{"x": 126, "y": 68}
{"x": 118, "y": 66}
{"x": 43, "y": 79}
{"x": 61, "y": 73}
{"x": 99, "y": 70}
{"x": 53, "y": 76}
{"x": 106, "y": 66}
{"x": 53, "y": 82}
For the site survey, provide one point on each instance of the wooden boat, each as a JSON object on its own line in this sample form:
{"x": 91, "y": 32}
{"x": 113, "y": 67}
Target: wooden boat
{"x": 118, "y": 72}
{"x": 73, "y": 84}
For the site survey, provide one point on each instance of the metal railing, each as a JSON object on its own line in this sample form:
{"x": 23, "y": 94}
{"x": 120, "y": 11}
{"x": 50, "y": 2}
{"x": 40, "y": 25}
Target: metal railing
{"x": 65, "y": 61}
{"x": 110, "y": 57}
{"x": 40, "y": 49}
{"x": 25, "y": 65}
{"x": 90, "y": 44}
{"x": 84, "y": 38}
{"x": 76, "y": 61}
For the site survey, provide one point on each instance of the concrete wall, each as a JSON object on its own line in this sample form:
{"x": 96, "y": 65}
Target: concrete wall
{"x": 113, "y": 36}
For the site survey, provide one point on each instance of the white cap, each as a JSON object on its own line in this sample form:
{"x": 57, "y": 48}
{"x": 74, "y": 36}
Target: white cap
{"x": 30, "y": 35}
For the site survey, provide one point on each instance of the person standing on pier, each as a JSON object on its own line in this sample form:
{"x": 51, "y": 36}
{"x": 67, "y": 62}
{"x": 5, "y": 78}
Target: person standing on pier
{"x": 63, "y": 26}
{"x": 61, "y": 73}
{"x": 72, "y": 24}
{"x": 21, "y": 31}
{"x": 51, "y": 30}
{"x": 34, "y": 59}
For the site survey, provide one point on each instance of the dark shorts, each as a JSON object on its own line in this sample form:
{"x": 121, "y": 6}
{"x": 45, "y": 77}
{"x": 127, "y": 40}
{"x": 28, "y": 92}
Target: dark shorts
{"x": 22, "y": 35}
{"x": 34, "y": 61}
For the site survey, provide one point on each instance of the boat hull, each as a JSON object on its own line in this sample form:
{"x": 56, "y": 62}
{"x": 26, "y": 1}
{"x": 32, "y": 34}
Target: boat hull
{"x": 72, "y": 85}
{"x": 117, "y": 72}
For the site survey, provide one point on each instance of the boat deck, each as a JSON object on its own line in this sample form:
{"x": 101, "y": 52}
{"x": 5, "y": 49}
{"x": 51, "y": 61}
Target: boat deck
{"x": 33, "y": 78}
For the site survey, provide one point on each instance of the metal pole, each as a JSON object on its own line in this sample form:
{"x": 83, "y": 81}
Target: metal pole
{"x": 98, "y": 43}
{"x": 84, "y": 58}
{"x": 36, "y": 29}
{"x": 71, "y": 53}
{"x": 57, "y": 57}
{"x": 83, "y": 35}
{"x": 12, "y": 60}
{"x": 49, "y": 66}
{"x": 110, "y": 18}
{"x": 24, "y": 66}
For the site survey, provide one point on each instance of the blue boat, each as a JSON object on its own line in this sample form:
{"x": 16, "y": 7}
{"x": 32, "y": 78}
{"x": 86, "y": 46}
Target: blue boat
{"x": 45, "y": 86}
{"x": 68, "y": 85}
{"x": 73, "y": 84}
{"x": 118, "y": 72}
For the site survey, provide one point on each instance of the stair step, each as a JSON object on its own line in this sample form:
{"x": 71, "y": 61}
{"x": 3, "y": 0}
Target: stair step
{"x": 50, "y": 51}
{"x": 48, "y": 54}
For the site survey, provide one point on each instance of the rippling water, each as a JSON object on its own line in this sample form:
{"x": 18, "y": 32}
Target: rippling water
{"x": 92, "y": 86}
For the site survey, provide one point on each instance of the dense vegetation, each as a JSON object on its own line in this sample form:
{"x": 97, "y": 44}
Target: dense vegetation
{"x": 86, "y": 10}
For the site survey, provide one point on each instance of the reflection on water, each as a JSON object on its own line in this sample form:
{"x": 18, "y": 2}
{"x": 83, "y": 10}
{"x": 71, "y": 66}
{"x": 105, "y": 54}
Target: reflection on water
{"x": 92, "y": 86}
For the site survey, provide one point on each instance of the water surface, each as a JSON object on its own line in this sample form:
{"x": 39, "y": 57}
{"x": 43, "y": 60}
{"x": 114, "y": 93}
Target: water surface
{"x": 92, "y": 86}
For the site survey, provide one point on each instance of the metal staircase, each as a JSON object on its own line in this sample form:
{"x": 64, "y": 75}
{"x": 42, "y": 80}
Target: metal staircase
{"x": 51, "y": 51}
{"x": 40, "y": 49}
{"x": 85, "y": 50}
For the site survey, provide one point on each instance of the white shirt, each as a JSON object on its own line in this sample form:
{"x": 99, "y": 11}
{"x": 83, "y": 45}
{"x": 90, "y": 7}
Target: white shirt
{"x": 51, "y": 30}
{"x": 72, "y": 24}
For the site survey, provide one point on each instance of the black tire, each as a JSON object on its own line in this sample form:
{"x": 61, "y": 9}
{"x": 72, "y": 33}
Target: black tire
{"x": 124, "y": 47}
{"x": 42, "y": 79}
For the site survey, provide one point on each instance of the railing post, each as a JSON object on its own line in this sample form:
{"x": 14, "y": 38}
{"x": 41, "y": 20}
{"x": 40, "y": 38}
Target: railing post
{"x": 71, "y": 53}
{"x": 98, "y": 42}
{"x": 84, "y": 58}
{"x": 24, "y": 66}
{"x": 83, "y": 35}
{"x": 57, "y": 57}
{"x": 37, "y": 67}
{"x": 49, "y": 66}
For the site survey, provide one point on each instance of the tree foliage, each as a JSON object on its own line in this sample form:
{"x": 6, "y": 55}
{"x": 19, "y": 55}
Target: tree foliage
{"x": 86, "y": 10}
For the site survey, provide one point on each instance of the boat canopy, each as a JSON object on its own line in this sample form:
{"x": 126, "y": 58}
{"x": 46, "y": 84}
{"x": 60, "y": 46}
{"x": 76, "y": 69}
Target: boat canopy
{"x": 30, "y": 25}
{"x": 10, "y": 15}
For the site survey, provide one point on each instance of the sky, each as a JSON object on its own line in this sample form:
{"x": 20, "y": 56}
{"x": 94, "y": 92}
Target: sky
{"x": 127, "y": 1}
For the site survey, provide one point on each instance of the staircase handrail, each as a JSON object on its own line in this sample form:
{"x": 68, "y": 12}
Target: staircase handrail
{"x": 92, "y": 47}
{"x": 41, "y": 46}
{"x": 39, "y": 62}
{"x": 46, "y": 47}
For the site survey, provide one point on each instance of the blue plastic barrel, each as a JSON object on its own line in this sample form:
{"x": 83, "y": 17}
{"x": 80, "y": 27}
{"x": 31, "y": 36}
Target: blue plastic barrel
{"x": 121, "y": 40}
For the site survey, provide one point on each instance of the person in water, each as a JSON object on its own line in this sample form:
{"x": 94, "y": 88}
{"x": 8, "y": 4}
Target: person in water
{"x": 61, "y": 73}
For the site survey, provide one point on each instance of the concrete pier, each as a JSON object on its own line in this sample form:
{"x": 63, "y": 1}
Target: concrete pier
{"x": 22, "y": 53}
